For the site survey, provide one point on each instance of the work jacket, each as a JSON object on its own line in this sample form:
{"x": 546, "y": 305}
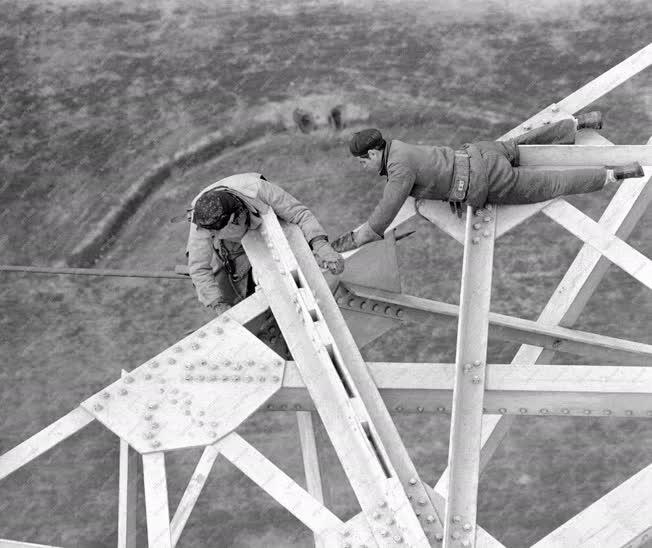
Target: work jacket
{"x": 205, "y": 246}
{"x": 423, "y": 171}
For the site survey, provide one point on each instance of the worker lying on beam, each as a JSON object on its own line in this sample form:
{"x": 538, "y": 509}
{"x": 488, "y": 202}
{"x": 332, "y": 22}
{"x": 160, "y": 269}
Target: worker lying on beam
{"x": 479, "y": 173}
{"x": 221, "y": 215}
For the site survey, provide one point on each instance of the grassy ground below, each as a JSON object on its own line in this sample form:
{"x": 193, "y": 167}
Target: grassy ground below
{"x": 100, "y": 90}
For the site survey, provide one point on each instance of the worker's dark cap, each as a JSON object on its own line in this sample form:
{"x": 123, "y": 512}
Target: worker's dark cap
{"x": 363, "y": 141}
{"x": 213, "y": 209}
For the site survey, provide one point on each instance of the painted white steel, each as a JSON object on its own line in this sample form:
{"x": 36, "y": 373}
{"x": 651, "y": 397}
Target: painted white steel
{"x": 279, "y": 485}
{"x": 44, "y": 440}
{"x": 192, "y": 492}
{"x": 156, "y": 501}
{"x": 468, "y": 391}
{"x": 310, "y": 462}
{"x": 619, "y": 519}
{"x": 613, "y": 248}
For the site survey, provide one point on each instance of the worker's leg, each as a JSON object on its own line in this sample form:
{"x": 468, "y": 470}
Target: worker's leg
{"x": 557, "y": 133}
{"x": 528, "y": 186}
{"x": 562, "y": 132}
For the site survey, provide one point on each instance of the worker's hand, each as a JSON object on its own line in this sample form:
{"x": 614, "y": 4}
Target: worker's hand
{"x": 344, "y": 242}
{"x": 219, "y": 307}
{"x": 327, "y": 257}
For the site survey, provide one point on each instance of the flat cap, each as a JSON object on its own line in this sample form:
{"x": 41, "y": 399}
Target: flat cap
{"x": 363, "y": 141}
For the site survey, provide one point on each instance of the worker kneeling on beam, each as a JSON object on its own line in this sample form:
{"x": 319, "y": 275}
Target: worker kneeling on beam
{"x": 221, "y": 215}
{"x": 479, "y": 173}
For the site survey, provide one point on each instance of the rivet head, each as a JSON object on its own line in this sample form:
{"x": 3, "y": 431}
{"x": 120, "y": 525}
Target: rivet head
{"x": 455, "y": 535}
{"x": 148, "y": 416}
{"x": 606, "y": 412}
{"x": 384, "y": 532}
{"x": 172, "y": 361}
{"x": 154, "y": 425}
{"x": 152, "y": 406}
{"x": 398, "y": 540}
{"x": 376, "y": 515}
{"x": 201, "y": 378}
{"x": 178, "y": 349}
{"x": 475, "y": 240}
{"x": 554, "y": 108}
{"x": 486, "y": 233}
{"x": 106, "y": 395}
{"x": 487, "y": 219}
{"x": 544, "y": 411}
{"x": 527, "y": 127}
{"x": 123, "y": 392}
{"x": 278, "y": 363}
{"x": 156, "y": 443}
{"x": 477, "y": 363}
{"x": 441, "y": 409}
{"x": 477, "y": 226}
{"x": 261, "y": 379}
{"x": 201, "y": 334}
{"x": 154, "y": 364}
{"x": 413, "y": 481}
{"x": 476, "y": 379}
{"x": 399, "y": 313}
{"x": 194, "y": 346}
{"x": 502, "y": 410}
{"x": 422, "y": 502}
{"x": 629, "y": 413}
{"x": 189, "y": 366}
{"x": 98, "y": 407}
{"x": 251, "y": 363}
{"x": 430, "y": 518}
{"x": 565, "y": 411}
{"x": 276, "y": 378}
{"x": 467, "y": 367}
{"x": 467, "y": 527}
{"x": 363, "y": 305}
{"x": 148, "y": 377}
{"x": 587, "y": 411}
{"x": 420, "y": 409}
{"x": 523, "y": 410}
{"x": 248, "y": 379}
{"x": 188, "y": 377}
{"x": 383, "y": 504}
{"x": 129, "y": 380}
{"x": 399, "y": 408}
{"x": 148, "y": 435}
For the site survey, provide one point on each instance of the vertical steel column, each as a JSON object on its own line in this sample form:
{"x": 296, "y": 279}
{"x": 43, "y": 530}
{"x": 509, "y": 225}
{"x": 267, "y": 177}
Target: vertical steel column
{"x": 470, "y": 368}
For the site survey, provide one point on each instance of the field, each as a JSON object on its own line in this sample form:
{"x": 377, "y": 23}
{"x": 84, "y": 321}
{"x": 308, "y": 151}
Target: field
{"x": 95, "y": 93}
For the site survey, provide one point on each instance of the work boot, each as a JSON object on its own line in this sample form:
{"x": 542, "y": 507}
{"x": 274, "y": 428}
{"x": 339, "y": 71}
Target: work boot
{"x": 628, "y": 171}
{"x": 589, "y": 120}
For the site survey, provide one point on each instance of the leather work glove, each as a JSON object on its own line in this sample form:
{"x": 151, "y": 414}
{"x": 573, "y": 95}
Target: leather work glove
{"x": 219, "y": 307}
{"x": 356, "y": 238}
{"x": 327, "y": 257}
{"x": 344, "y": 242}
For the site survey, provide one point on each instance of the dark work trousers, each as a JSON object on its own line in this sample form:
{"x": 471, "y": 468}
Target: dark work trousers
{"x": 510, "y": 184}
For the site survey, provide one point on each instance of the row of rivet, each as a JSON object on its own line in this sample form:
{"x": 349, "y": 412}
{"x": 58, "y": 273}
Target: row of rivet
{"x": 502, "y": 410}
{"x": 421, "y": 502}
{"x": 348, "y": 300}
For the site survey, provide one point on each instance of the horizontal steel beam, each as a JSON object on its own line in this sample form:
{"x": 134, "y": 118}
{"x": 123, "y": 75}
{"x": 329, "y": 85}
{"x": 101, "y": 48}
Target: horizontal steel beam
{"x": 564, "y": 390}
{"x": 584, "y": 155}
{"x": 501, "y": 326}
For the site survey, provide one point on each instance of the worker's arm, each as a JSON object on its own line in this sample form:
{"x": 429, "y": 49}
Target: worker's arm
{"x": 288, "y": 208}
{"x": 200, "y": 255}
{"x": 400, "y": 180}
